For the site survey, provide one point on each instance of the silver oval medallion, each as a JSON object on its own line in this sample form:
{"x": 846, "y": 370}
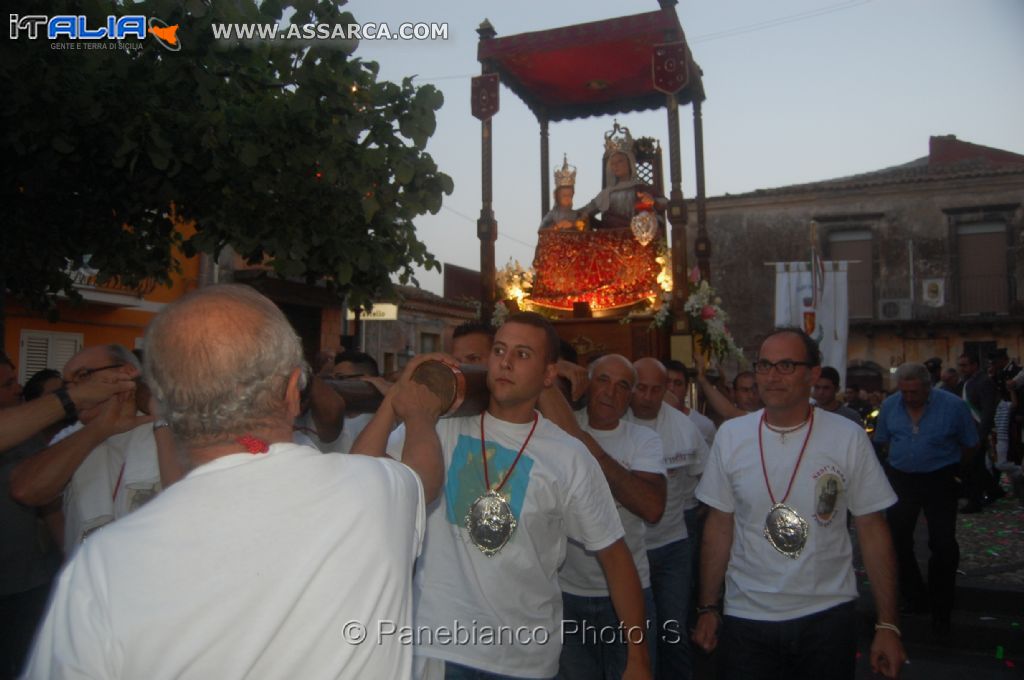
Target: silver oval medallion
{"x": 490, "y": 523}
{"x": 786, "y": 530}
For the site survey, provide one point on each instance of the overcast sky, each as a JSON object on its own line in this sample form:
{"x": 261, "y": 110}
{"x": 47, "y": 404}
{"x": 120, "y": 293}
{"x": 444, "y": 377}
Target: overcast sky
{"x": 797, "y": 91}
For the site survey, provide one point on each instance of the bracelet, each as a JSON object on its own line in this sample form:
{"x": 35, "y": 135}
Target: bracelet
{"x": 710, "y": 609}
{"x": 882, "y": 625}
{"x": 159, "y": 423}
{"x": 66, "y": 402}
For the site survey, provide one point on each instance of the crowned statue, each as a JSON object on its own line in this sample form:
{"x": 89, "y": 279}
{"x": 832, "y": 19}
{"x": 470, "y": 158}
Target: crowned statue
{"x": 562, "y": 216}
{"x": 609, "y": 263}
{"x": 624, "y": 201}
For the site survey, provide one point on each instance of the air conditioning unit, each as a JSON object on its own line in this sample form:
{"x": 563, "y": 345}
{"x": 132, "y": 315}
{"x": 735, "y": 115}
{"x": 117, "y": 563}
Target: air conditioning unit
{"x": 895, "y": 309}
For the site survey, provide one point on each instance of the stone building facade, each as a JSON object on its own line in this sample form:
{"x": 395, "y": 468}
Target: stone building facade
{"x": 936, "y": 252}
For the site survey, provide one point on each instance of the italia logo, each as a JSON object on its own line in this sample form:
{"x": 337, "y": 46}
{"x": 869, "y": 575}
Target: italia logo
{"x": 78, "y": 27}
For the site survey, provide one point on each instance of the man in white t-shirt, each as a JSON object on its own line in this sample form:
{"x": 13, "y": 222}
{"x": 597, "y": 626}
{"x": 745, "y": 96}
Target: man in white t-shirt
{"x": 517, "y": 487}
{"x": 632, "y": 460}
{"x": 679, "y": 387}
{"x": 104, "y": 467}
{"x": 669, "y": 546}
{"x": 268, "y": 560}
{"x": 779, "y": 483}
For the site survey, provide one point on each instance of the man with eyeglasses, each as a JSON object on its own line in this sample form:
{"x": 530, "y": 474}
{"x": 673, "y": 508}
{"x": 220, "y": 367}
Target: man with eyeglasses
{"x": 779, "y": 483}
{"x": 104, "y": 469}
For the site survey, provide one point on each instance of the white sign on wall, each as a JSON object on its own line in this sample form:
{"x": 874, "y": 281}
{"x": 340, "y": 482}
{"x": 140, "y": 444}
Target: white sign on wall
{"x": 382, "y": 311}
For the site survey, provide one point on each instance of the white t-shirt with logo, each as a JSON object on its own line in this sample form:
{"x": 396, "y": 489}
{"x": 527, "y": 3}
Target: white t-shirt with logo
{"x": 252, "y": 566}
{"x": 637, "y": 449}
{"x": 686, "y": 453}
{"x": 839, "y": 471}
{"x": 502, "y": 614}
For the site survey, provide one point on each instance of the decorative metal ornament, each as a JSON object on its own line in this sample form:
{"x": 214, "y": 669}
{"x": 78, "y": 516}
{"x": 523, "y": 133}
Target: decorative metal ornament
{"x": 645, "y": 227}
{"x": 490, "y": 520}
{"x": 490, "y": 523}
{"x": 786, "y": 530}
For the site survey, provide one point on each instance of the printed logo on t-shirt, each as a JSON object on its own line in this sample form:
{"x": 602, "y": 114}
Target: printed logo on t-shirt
{"x": 829, "y": 484}
{"x": 464, "y": 482}
{"x": 680, "y": 459}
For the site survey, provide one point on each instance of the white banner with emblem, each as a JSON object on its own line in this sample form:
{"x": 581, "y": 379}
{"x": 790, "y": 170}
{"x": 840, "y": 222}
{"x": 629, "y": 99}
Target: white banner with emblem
{"x": 816, "y": 302}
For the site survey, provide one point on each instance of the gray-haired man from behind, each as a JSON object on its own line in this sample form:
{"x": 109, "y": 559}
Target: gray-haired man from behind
{"x": 267, "y": 559}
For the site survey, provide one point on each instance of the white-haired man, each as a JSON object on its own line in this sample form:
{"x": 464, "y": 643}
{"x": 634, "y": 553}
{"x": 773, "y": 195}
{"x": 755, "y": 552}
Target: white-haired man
{"x": 632, "y": 460}
{"x": 268, "y": 560}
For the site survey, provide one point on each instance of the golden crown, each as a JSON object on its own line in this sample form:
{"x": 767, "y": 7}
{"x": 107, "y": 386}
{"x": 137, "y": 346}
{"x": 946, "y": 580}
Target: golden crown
{"x": 617, "y": 140}
{"x": 566, "y": 175}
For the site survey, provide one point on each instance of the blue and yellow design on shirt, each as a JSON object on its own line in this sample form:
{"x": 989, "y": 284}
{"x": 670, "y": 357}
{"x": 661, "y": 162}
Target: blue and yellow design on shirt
{"x": 464, "y": 482}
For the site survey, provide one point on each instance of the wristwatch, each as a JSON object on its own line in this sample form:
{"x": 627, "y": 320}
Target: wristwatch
{"x": 66, "y": 402}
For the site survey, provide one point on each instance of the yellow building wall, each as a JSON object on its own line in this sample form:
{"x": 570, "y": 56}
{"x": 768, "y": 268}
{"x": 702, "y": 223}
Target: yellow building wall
{"x": 889, "y": 350}
{"x": 98, "y": 323}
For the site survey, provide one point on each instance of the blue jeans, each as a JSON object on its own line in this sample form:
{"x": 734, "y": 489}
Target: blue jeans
{"x": 593, "y": 641}
{"x": 813, "y": 647}
{"x": 454, "y": 671}
{"x": 671, "y": 571}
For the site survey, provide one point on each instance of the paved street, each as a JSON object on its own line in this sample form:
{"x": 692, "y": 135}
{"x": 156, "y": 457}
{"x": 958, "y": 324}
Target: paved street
{"x": 988, "y": 622}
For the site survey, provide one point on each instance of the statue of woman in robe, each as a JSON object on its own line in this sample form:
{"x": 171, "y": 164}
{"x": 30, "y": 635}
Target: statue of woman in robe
{"x": 617, "y": 202}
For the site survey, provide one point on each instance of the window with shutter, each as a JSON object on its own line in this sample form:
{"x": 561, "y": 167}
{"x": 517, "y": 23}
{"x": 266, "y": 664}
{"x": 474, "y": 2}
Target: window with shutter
{"x": 42, "y": 349}
{"x": 854, "y": 246}
{"x": 984, "y": 284}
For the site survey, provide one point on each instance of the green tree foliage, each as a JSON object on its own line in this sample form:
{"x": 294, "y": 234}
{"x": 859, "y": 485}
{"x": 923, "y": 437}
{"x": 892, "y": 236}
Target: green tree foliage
{"x": 294, "y": 152}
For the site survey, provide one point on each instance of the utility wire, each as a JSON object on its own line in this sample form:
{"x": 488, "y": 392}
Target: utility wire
{"x": 772, "y": 23}
{"x": 500, "y": 234}
{"x": 728, "y": 32}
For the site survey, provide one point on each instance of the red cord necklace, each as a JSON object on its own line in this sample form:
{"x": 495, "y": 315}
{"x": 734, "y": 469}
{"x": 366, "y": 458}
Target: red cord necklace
{"x": 490, "y": 520}
{"x": 784, "y": 528}
{"x": 483, "y": 453}
{"x": 764, "y": 468}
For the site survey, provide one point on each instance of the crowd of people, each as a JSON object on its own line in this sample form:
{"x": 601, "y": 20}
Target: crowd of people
{"x": 217, "y": 509}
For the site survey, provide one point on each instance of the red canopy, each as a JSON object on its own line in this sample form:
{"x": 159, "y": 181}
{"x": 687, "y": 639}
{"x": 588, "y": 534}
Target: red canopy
{"x": 598, "y": 68}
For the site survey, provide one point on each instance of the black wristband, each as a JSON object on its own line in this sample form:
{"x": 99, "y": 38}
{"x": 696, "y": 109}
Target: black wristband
{"x": 65, "y": 401}
{"x": 710, "y": 609}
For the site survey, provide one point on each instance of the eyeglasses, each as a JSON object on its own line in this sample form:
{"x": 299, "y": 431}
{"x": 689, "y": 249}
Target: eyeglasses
{"x": 784, "y": 367}
{"x": 83, "y": 373}
{"x": 347, "y": 376}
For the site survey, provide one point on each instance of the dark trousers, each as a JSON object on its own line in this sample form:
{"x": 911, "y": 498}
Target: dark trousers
{"x": 935, "y": 493}
{"x": 594, "y": 643}
{"x": 670, "y": 584}
{"x": 821, "y": 646}
{"x": 454, "y": 671}
{"x": 20, "y": 614}
{"x": 978, "y": 481}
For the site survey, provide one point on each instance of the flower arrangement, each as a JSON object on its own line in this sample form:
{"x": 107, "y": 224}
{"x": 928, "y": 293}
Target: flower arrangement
{"x": 514, "y": 282}
{"x": 708, "y": 319}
